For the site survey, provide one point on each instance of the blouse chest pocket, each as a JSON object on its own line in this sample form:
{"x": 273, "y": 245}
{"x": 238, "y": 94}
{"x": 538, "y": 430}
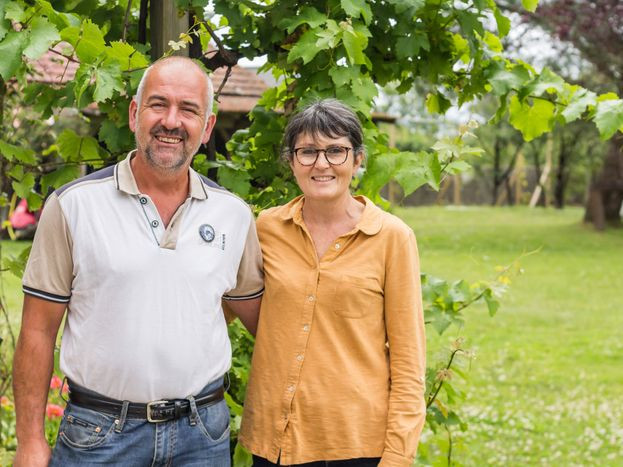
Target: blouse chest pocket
{"x": 356, "y": 297}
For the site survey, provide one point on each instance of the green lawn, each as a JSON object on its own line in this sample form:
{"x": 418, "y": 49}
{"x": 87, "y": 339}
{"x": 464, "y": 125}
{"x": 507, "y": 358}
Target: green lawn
{"x": 546, "y": 387}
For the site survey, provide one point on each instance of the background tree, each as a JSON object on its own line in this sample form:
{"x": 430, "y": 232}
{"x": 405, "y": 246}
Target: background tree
{"x": 594, "y": 28}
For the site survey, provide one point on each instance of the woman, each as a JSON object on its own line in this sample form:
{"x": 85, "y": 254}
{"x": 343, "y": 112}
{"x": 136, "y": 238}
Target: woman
{"x": 338, "y": 367}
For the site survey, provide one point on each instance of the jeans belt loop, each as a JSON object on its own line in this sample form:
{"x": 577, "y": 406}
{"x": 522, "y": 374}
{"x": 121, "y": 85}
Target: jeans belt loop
{"x": 120, "y": 422}
{"x": 192, "y": 418}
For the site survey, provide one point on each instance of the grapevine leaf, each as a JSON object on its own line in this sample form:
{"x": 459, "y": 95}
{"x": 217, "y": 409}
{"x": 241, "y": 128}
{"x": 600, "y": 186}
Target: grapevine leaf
{"x": 343, "y": 75}
{"x": 355, "y": 8}
{"x": 24, "y": 187}
{"x": 5, "y": 24}
{"x": 503, "y": 23}
{"x": 305, "y": 48}
{"x": 609, "y": 117}
{"x": 307, "y": 15}
{"x": 578, "y": 104}
{"x": 12, "y": 152}
{"x": 42, "y": 35}
{"x": 75, "y": 148}
{"x": 59, "y": 177}
{"x": 355, "y": 43}
{"x": 128, "y": 57}
{"x": 15, "y": 12}
{"x": 91, "y": 45}
{"x": 11, "y": 52}
{"x": 107, "y": 80}
{"x": 410, "y": 45}
{"x": 533, "y": 120}
{"x": 530, "y": 5}
{"x": 503, "y": 79}
{"x": 237, "y": 181}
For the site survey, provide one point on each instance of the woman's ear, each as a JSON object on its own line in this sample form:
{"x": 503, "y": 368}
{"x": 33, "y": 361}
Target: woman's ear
{"x": 359, "y": 158}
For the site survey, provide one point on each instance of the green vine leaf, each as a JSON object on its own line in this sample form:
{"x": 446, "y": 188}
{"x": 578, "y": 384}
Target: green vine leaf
{"x": 42, "y": 35}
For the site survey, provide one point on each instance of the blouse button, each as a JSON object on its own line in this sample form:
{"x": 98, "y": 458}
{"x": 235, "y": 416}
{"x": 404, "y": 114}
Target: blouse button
{"x": 291, "y": 388}
{"x": 155, "y": 224}
{"x": 310, "y": 298}
{"x": 337, "y": 246}
{"x": 299, "y": 358}
{"x": 306, "y": 327}
{"x": 143, "y": 200}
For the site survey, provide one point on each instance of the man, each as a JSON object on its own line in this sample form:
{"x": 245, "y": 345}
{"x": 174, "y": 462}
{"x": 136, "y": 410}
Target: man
{"x": 140, "y": 254}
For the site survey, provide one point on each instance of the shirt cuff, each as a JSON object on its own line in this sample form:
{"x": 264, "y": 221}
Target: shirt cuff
{"x": 391, "y": 459}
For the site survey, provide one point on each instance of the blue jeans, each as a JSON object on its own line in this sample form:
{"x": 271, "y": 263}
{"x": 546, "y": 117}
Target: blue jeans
{"x": 87, "y": 437}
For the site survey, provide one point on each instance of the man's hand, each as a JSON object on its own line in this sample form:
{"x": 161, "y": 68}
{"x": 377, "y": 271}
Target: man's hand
{"x": 35, "y": 453}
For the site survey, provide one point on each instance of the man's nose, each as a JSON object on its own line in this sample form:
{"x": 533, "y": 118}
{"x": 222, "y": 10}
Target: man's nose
{"x": 171, "y": 119}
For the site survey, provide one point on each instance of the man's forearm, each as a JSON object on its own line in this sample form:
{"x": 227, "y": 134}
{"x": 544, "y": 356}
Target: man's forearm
{"x": 32, "y": 370}
{"x": 247, "y": 311}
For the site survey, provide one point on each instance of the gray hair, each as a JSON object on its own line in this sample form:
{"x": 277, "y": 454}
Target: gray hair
{"x": 160, "y": 61}
{"x": 326, "y": 117}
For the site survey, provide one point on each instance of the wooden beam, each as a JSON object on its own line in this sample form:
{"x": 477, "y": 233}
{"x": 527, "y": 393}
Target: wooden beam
{"x": 165, "y": 25}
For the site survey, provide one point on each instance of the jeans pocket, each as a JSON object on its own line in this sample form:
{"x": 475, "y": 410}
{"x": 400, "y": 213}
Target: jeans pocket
{"x": 84, "y": 428}
{"x": 214, "y": 421}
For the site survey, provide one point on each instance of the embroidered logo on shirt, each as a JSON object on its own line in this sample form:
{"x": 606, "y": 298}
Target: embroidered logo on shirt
{"x": 207, "y": 232}
{"x": 212, "y": 237}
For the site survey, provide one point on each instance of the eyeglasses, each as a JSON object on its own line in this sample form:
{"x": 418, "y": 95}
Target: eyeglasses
{"x": 335, "y": 155}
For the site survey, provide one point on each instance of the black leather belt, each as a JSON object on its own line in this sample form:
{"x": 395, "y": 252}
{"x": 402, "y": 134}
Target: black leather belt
{"x": 155, "y": 411}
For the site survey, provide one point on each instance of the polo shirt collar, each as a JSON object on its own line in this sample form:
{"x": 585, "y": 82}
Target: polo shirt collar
{"x": 126, "y": 182}
{"x": 370, "y": 223}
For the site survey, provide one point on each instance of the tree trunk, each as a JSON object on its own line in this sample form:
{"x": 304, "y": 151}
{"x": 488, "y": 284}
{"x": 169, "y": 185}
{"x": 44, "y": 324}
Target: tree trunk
{"x": 496, "y": 172}
{"x": 605, "y": 198}
{"x": 560, "y": 183}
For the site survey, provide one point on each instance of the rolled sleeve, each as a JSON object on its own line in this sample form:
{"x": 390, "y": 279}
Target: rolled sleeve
{"x": 407, "y": 351}
{"x": 49, "y": 271}
{"x": 250, "y": 278}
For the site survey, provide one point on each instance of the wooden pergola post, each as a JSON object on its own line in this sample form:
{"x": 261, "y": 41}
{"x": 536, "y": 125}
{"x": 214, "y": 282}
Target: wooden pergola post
{"x": 165, "y": 25}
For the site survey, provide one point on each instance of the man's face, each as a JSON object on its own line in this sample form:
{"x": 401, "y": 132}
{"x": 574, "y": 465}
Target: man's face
{"x": 172, "y": 120}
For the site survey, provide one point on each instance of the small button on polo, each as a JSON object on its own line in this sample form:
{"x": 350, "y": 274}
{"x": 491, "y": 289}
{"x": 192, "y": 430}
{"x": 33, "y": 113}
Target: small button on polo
{"x": 306, "y": 327}
{"x": 155, "y": 224}
{"x": 291, "y": 388}
{"x": 299, "y": 358}
{"x": 311, "y": 298}
{"x": 337, "y": 246}
{"x": 143, "y": 200}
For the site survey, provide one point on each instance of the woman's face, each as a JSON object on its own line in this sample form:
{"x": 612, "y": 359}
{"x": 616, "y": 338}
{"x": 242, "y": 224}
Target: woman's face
{"x": 323, "y": 181}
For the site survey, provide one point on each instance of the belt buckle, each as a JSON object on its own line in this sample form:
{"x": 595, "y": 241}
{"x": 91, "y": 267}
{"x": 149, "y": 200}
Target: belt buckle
{"x": 149, "y": 406}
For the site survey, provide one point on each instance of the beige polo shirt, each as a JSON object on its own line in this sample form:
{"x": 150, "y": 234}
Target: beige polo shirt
{"x": 144, "y": 317}
{"x": 338, "y": 368}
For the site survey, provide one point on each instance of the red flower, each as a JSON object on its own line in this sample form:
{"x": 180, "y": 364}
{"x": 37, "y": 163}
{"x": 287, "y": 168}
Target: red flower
{"x": 55, "y": 382}
{"x": 54, "y": 411}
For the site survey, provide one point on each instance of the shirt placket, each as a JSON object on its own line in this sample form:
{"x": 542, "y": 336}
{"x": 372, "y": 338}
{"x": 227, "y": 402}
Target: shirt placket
{"x": 152, "y": 217}
{"x": 294, "y": 373}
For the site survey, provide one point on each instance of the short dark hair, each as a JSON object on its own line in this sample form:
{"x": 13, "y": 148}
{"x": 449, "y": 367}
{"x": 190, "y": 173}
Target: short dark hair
{"x": 326, "y": 117}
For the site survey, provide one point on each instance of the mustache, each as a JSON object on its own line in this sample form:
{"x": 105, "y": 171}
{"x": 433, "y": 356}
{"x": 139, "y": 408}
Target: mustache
{"x": 175, "y": 132}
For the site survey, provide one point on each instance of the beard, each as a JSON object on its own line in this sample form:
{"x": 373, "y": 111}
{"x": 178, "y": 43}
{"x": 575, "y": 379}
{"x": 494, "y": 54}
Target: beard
{"x": 166, "y": 159}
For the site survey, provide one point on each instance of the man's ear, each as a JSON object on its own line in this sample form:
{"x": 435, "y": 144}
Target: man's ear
{"x": 133, "y": 114}
{"x": 208, "y": 129}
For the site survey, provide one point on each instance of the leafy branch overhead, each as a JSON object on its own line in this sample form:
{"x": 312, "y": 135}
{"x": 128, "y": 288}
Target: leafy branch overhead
{"x": 344, "y": 49}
